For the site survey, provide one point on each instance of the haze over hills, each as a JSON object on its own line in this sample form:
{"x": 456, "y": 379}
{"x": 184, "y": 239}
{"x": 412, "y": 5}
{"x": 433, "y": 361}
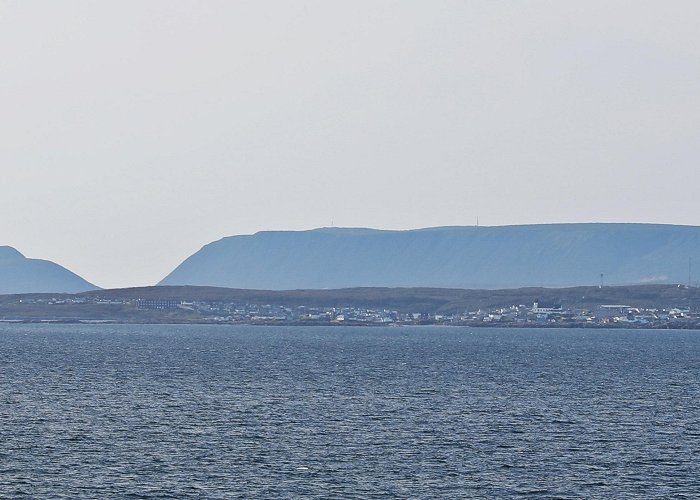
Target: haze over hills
{"x": 551, "y": 255}
{"x": 19, "y": 274}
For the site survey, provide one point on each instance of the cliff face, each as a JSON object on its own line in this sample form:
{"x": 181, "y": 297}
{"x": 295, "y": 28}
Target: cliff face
{"x": 19, "y": 274}
{"x": 460, "y": 257}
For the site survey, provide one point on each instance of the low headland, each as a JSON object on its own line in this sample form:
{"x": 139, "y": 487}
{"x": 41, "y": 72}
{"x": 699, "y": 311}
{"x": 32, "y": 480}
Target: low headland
{"x": 639, "y": 306}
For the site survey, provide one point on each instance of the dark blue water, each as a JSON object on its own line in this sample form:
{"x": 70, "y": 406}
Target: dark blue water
{"x": 225, "y": 412}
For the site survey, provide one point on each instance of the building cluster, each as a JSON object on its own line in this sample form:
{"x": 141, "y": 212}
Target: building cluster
{"x": 266, "y": 313}
{"x": 605, "y": 315}
{"x": 536, "y": 314}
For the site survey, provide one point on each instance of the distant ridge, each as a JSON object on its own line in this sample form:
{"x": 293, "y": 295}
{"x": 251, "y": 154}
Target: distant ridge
{"x": 551, "y": 255}
{"x": 19, "y": 274}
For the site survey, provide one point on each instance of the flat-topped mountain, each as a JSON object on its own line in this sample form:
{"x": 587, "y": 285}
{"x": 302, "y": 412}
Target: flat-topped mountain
{"x": 19, "y": 274}
{"x": 551, "y": 255}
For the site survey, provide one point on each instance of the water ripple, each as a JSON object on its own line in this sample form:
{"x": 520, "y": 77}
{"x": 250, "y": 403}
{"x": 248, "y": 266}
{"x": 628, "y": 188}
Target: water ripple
{"x": 226, "y": 412}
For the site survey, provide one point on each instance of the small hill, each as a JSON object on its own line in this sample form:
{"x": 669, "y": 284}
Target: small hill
{"x": 551, "y": 255}
{"x": 425, "y": 300}
{"x": 19, "y": 274}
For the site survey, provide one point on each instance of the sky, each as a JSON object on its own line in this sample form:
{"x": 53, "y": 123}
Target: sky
{"x": 134, "y": 132}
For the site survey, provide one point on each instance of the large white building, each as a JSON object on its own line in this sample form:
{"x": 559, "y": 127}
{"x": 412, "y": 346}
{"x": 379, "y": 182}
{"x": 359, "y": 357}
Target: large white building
{"x": 553, "y": 309}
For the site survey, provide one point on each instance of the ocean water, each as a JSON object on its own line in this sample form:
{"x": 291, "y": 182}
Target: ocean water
{"x": 273, "y": 412}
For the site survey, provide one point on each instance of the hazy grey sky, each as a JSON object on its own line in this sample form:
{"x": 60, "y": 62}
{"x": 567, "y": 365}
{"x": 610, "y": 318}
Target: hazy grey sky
{"x": 134, "y": 132}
